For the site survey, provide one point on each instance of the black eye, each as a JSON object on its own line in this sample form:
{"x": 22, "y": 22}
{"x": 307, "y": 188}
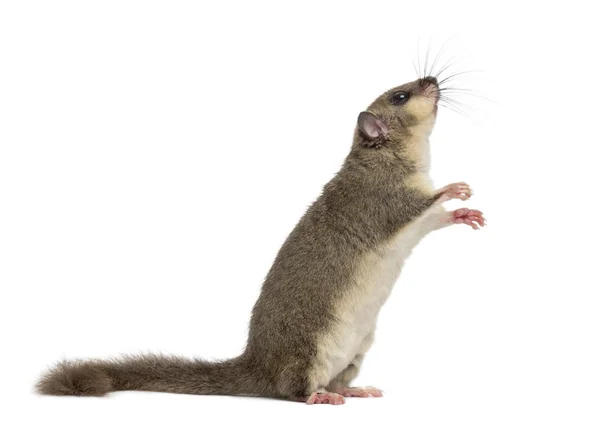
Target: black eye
{"x": 400, "y": 97}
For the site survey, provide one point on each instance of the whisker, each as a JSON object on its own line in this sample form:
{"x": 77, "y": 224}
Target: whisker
{"x": 456, "y": 104}
{"x": 451, "y": 108}
{"x": 446, "y": 98}
{"x": 459, "y": 105}
{"x": 419, "y": 57}
{"x": 415, "y": 67}
{"x": 435, "y": 64}
{"x": 462, "y": 91}
{"x": 425, "y": 73}
{"x": 458, "y": 74}
{"x": 451, "y": 62}
{"x": 451, "y": 102}
{"x": 439, "y": 54}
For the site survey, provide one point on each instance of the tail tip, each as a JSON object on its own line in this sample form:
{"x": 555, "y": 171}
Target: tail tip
{"x": 75, "y": 378}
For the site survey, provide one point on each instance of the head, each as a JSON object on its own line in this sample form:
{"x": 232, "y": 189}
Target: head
{"x": 403, "y": 116}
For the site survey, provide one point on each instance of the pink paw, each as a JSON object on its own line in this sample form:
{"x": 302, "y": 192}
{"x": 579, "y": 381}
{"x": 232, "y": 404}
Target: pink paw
{"x": 471, "y": 217}
{"x": 326, "y": 397}
{"x": 361, "y": 392}
{"x": 460, "y": 191}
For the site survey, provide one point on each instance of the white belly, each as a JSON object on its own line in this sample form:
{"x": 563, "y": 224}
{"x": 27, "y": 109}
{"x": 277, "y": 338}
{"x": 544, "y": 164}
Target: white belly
{"x": 357, "y": 312}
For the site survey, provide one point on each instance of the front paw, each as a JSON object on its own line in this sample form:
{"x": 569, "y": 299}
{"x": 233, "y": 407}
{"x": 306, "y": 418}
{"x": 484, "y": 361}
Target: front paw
{"x": 460, "y": 191}
{"x": 470, "y": 217}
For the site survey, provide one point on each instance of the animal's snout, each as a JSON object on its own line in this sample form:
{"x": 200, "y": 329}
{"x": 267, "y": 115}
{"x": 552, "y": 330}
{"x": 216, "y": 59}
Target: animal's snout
{"x": 430, "y": 80}
{"x": 430, "y": 88}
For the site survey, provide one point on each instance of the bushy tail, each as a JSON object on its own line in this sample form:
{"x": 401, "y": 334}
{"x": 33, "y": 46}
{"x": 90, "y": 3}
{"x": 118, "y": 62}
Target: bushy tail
{"x": 150, "y": 373}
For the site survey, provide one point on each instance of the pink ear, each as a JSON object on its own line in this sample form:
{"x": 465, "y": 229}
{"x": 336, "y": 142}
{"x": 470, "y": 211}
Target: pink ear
{"x": 371, "y": 125}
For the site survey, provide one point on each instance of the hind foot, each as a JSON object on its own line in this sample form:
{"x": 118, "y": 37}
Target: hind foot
{"x": 361, "y": 392}
{"x": 324, "y": 397}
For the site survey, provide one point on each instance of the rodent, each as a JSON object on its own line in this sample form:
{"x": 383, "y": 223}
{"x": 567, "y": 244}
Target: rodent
{"x": 315, "y": 318}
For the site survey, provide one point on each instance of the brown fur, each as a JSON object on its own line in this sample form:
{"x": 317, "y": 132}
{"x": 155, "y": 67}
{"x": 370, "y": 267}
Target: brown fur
{"x": 374, "y": 195}
{"x": 148, "y": 372}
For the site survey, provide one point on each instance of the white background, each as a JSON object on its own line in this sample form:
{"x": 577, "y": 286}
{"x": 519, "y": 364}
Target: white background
{"x": 155, "y": 155}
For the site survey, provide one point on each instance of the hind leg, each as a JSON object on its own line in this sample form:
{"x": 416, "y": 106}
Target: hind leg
{"x": 295, "y": 383}
{"x": 341, "y": 383}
